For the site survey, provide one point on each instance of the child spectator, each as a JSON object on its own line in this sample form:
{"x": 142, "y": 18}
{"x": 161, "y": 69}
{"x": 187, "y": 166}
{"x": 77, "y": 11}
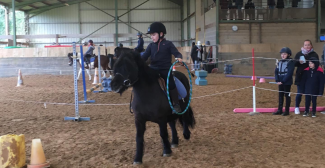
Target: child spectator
{"x": 312, "y": 84}
{"x": 283, "y": 77}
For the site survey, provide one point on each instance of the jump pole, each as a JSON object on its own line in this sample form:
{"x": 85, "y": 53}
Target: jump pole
{"x": 84, "y": 78}
{"x": 76, "y": 101}
{"x": 254, "y": 78}
{"x": 99, "y": 73}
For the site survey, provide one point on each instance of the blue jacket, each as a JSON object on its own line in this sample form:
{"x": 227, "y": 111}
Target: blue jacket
{"x": 161, "y": 54}
{"x": 312, "y": 81}
{"x": 140, "y": 44}
{"x": 284, "y": 71}
{"x": 90, "y": 50}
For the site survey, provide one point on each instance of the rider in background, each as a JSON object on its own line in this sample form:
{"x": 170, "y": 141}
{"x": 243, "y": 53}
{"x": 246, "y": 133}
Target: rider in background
{"x": 89, "y": 53}
{"x": 160, "y": 51}
{"x": 139, "y": 47}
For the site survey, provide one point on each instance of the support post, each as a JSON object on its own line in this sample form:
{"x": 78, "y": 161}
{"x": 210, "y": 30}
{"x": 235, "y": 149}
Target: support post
{"x": 254, "y": 84}
{"x": 217, "y": 22}
{"x": 318, "y": 20}
{"x": 116, "y": 23}
{"x": 76, "y": 101}
{"x": 260, "y": 32}
{"x": 79, "y": 20}
{"x": 14, "y": 23}
{"x": 182, "y": 27}
{"x": 250, "y": 33}
{"x": 188, "y": 23}
{"x": 129, "y": 22}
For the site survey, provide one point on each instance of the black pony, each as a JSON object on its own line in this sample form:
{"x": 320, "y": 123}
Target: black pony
{"x": 150, "y": 103}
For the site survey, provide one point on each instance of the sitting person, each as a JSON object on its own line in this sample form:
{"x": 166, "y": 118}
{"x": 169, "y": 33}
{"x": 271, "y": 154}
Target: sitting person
{"x": 90, "y": 52}
{"x": 139, "y": 47}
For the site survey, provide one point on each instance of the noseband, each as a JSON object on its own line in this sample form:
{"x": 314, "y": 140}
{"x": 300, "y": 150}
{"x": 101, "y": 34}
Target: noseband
{"x": 127, "y": 82}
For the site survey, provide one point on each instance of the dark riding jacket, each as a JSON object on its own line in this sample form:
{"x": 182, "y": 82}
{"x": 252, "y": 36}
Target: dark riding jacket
{"x": 140, "y": 44}
{"x": 161, "y": 54}
{"x": 284, "y": 71}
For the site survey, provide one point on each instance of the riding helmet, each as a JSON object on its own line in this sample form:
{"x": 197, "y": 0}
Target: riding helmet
{"x": 286, "y": 50}
{"x": 157, "y": 27}
{"x": 90, "y": 41}
{"x": 139, "y": 34}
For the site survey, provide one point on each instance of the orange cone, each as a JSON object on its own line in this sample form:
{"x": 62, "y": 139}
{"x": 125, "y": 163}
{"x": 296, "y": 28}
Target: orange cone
{"x": 174, "y": 68}
{"x": 96, "y": 78}
{"x": 20, "y": 79}
{"x": 37, "y": 159}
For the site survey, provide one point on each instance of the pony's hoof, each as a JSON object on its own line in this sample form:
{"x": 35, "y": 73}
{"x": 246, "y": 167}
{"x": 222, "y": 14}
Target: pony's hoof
{"x": 167, "y": 155}
{"x": 187, "y": 136}
{"x": 137, "y": 163}
{"x": 174, "y": 145}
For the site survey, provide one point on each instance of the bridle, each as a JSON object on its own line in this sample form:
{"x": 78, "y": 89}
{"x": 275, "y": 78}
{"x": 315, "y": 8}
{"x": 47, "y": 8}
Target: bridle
{"x": 127, "y": 82}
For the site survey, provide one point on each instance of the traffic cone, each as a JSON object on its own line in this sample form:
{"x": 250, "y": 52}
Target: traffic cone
{"x": 20, "y": 79}
{"x": 96, "y": 78}
{"x": 262, "y": 80}
{"x": 174, "y": 68}
{"x": 37, "y": 159}
{"x": 253, "y": 78}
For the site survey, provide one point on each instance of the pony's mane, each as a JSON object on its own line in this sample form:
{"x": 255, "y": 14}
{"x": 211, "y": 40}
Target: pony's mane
{"x": 145, "y": 72}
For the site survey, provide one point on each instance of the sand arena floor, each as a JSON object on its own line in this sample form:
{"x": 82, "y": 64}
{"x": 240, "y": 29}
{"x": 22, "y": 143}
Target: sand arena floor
{"x": 220, "y": 138}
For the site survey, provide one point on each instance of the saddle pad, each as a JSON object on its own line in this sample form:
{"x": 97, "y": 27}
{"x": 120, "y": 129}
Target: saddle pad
{"x": 92, "y": 59}
{"x": 182, "y": 93}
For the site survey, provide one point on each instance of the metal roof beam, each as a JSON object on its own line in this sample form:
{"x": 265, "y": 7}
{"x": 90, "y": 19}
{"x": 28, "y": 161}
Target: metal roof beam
{"x": 26, "y": 3}
{"x": 56, "y": 5}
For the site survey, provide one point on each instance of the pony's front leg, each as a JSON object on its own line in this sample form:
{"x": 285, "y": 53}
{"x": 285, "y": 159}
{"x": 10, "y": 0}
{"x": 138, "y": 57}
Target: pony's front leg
{"x": 88, "y": 72}
{"x": 141, "y": 128}
{"x": 172, "y": 125}
{"x": 164, "y": 136}
{"x": 79, "y": 73}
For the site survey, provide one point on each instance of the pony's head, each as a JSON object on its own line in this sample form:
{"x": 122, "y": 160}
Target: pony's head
{"x": 126, "y": 71}
{"x": 70, "y": 59}
{"x": 119, "y": 51}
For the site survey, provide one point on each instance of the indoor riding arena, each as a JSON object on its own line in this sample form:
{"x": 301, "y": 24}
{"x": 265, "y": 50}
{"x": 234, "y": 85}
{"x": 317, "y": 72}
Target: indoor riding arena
{"x": 62, "y": 60}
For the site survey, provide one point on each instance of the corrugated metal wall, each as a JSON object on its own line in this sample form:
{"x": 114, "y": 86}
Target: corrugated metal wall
{"x": 191, "y": 19}
{"x": 65, "y": 20}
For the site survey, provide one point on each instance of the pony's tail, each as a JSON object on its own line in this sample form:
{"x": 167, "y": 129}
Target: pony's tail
{"x": 188, "y": 118}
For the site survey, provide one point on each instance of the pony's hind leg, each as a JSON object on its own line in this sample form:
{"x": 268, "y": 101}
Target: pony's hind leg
{"x": 164, "y": 136}
{"x": 172, "y": 125}
{"x": 186, "y": 131}
{"x": 141, "y": 127}
{"x": 88, "y": 72}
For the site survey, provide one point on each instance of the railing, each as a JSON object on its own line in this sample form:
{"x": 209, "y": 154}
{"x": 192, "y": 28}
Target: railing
{"x": 268, "y": 14}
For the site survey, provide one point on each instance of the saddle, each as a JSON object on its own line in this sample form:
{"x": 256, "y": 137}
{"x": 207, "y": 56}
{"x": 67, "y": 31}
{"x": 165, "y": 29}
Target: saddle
{"x": 182, "y": 92}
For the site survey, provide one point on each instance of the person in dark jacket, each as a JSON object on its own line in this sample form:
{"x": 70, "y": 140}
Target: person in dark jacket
{"x": 312, "y": 84}
{"x": 283, "y": 77}
{"x": 307, "y": 52}
{"x": 139, "y": 48}
{"x": 160, "y": 52}
{"x": 194, "y": 52}
{"x": 280, "y": 6}
{"x": 271, "y": 4}
{"x": 250, "y": 10}
{"x": 239, "y": 4}
{"x": 223, "y": 9}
